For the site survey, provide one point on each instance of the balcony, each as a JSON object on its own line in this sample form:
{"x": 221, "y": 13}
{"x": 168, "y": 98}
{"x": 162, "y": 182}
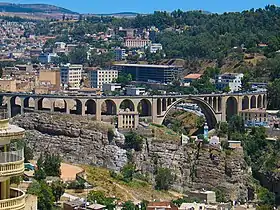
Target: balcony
{"x": 11, "y": 163}
{"x": 16, "y": 202}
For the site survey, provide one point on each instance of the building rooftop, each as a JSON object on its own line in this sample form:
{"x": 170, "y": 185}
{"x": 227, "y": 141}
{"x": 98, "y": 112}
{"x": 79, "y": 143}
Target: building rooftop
{"x": 254, "y": 110}
{"x": 146, "y": 65}
{"x": 193, "y": 76}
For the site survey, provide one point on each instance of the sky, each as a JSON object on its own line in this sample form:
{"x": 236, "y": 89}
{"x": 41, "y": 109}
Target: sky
{"x": 148, "y": 6}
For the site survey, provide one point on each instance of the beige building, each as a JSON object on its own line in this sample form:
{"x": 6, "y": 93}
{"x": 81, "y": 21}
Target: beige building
{"x": 207, "y": 196}
{"x": 254, "y": 117}
{"x": 128, "y": 119}
{"x": 98, "y": 77}
{"x": 71, "y": 75}
{"x": 136, "y": 42}
{"x": 49, "y": 79}
{"x": 8, "y": 85}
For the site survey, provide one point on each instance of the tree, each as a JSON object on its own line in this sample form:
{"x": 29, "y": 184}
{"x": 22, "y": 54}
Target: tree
{"x": 236, "y": 125}
{"x": 51, "y": 165}
{"x": 40, "y": 174}
{"x": 78, "y": 55}
{"x": 100, "y": 198}
{"x": 274, "y": 94}
{"x": 128, "y": 171}
{"x": 128, "y": 205}
{"x": 164, "y": 179}
{"x": 133, "y": 141}
{"x": 44, "y": 194}
{"x": 58, "y": 189}
{"x": 266, "y": 197}
{"x": 124, "y": 79}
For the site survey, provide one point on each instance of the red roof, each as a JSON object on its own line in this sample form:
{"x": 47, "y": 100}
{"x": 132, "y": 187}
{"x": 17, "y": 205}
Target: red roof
{"x": 193, "y": 76}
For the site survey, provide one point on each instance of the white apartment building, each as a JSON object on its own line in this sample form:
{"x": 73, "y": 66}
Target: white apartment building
{"x": 71, "y": 75}
{"x": 98, "y": 77}
{"x": 155, "y": 47}
{"x": 136, "y": 42}
{"x": 231, "y": 80}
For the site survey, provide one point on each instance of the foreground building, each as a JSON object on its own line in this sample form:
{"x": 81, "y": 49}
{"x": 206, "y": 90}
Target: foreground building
{"x": 233, "y": 81}
{"x": 11, "y": 165}
{"x": 98, "y": 77}
{"x": 71, "y": 75}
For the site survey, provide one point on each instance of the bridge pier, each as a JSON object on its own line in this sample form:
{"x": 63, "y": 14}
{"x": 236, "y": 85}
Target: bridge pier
{"x": 9, "y": 107}
{"x": 98, "y": 110}
{"x": 22, "y": 106}
{"x": 154, "y": 110}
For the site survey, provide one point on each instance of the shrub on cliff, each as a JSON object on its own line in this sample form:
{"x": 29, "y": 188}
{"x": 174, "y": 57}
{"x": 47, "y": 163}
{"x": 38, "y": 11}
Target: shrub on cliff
{"x": 128, "y": 171}
{"x": 133, "y": 141}
{"x": 164, "y": 179}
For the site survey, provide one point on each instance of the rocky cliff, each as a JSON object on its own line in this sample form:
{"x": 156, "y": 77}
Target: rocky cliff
{"x": 81, "y": 140}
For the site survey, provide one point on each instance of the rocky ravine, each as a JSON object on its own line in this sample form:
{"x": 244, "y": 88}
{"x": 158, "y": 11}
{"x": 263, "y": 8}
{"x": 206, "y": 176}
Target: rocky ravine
{"x": 80, "y": 140}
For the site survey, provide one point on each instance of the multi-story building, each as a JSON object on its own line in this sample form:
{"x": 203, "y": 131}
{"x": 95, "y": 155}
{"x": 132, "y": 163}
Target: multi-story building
{"x": 134, "y": 91}
{"x": 98, "y": 77}
{"x": 255, "y": 117}
{"x": 229, "y": 80}
{"x": 71, "y": 75}
{"x": 12, "y": 165}
{"x": 8, "y": 85}
{"x": 49, "y": 78}
{"x": 136, "y": 42}
{"x": 149, "y": 73}
{"x": 155, "y": 47}
{"x": 119, "y": 54}
{"x": 47, "y": 57}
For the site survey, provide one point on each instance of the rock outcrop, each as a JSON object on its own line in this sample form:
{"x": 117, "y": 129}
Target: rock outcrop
{"x": 81, "y": 140}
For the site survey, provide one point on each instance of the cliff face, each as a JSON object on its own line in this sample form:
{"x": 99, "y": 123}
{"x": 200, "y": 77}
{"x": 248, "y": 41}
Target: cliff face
{"x": 83, "y": 141}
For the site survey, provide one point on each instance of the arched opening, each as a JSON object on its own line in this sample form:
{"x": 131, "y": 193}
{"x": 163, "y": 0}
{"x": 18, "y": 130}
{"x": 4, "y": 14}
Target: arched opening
{"x": 219, "y": 103}
{"x": 210, "y": 101}
{"x": 159, "y": 106}
{"x": 253, "y": 102}
{"x": 169, "y": 101}
{"x": 108, "y": 107}
{"x": 174, "y": 100}
{"x": 127, "y": 104}
{"x": 60, "y": 105}
{"x": 144, "y": 108}
{"x": 205, "y": 99}
{"x": 164, "y": 106}
{"x": 90, "y": 107}
{"x": 245, "y": 103}
{"x": 264, "y": 101}
{"x": 231, "y": 108}
{"x": 207, "y": 110}
{"x": 215, "y": 103}
{"x": 29, "y": 103}
{"x": 79, "y": 107}
{"x": 260, "y": 105}
{"x": 44, "y": 104}
{"x": 15, "y": 106}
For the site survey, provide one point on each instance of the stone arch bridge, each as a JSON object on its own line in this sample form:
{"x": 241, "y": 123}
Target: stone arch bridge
{"x": 216, "y": 107}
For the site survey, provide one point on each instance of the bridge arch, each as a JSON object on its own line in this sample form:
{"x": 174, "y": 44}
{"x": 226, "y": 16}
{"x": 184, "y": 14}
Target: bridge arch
{"x": 15, "y": 102}
{"x": 44, "y": 104}
{"x": 231, "y": 107}
{"x": 90, "y": 106}
{"x": 245, "y": 103}
{"x": 159, "y": 106}
{"x": 164, "y": 104}
{"x": 207, "y": 110}
{"x": 59, "y": 105}
{"x": 108, "y": 107}
{"x": 144, "y": 108}
{"x": 28, "y": 101}
{"x": 127, "y": 104}
{"x": 253, "y": 102}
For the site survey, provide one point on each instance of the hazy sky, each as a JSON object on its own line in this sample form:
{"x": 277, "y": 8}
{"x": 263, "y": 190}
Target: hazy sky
{"x": 148, "y": 6}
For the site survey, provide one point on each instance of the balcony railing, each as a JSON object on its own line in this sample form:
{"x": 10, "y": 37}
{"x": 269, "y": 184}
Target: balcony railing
{"x": 11, "y": 163}
{"x": 16, "y": 202}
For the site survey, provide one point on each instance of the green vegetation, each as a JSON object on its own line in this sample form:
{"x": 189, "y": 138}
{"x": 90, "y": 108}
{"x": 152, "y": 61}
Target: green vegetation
{"x": 127, "y": 172}
{"x": 164, "y": 179}
{"x": 58, "y": 189}
{"x": 100, "y": 198}
{"x": 133, "y": 141}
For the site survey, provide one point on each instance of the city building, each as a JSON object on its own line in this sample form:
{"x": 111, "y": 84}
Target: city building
{"x": 149, "y": 73}
{"x": 131, "y": 90}
{"x": 273, "y": 118}
{"x": 71, "y": 76}
{"x": 98, "y": 77}
{"x": 8, "y": 85}
{"x": 136, "y": 42}
{"x": 128, "y": 119}
{"x": 49, "y": 78}
{"x": 229, "y": 80}
{"x": 254, "y": 117}
{"x": 12, "y": 165}
{"x": 47, "y": 57}
{"x": 155, "y": 47}
{"x": 188, "y": 79}
{"x": 110, "y": 87}
{"x": 119, "y": 54}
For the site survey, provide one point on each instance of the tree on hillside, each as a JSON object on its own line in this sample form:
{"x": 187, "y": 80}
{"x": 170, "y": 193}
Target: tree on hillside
{"x": 164, "y": 179}
{"x": 128, "y": 205}
{"x": 51, "y": 165}
{"x": 134, "y": 141}
{"x": 274, "y": 95}
{"x": 128, "y": 171}
{"x": 78, "y": 55}
{"x": 58, "y": 189}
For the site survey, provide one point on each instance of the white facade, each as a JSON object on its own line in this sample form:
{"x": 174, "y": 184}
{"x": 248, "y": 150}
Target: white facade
{"x": 47, "y": 57}
{"x": 71, "y": 75}
{"x": 231, "y": 80}
{"x": 154, "y": 48}
{"x": 136, "y": 43}
{"x": 111, "y": 87}
{"x": 100, "y": 76}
